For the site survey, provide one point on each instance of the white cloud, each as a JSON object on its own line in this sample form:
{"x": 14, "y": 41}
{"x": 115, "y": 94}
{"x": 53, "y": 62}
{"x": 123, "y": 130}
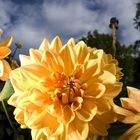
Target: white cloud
{"x": 33, "y": 22}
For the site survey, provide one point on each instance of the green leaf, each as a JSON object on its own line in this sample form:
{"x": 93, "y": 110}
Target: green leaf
{"x": 7, "y": 91}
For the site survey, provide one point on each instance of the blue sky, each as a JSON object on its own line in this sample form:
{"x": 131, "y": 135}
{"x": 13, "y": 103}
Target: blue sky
{"x": 30, "y": 21}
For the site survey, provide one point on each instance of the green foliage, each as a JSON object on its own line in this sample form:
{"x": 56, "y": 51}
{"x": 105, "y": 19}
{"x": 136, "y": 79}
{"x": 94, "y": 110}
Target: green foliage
{"x": 7, "y": 91}
{"x": 137, "y": 17}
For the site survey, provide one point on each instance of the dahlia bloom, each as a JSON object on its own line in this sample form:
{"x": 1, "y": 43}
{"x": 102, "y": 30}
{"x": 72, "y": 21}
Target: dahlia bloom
{"x": 4, "y": 52}
{"x": 132, "y": 103}
{"x": 65, "y": 92}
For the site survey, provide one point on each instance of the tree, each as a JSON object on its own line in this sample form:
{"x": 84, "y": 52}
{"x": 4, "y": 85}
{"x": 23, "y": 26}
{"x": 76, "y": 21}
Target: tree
{"x": 137, "y": 16}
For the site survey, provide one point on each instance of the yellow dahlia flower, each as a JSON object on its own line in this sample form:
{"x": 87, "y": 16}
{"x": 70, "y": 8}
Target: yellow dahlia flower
{"x": 4, "y": 52}
{"x": 132, "y": 103}
{"x": 65, "y": 92}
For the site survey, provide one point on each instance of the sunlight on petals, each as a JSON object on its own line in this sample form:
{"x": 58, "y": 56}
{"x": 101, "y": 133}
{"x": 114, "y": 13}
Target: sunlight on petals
{"x": 60, "y": 89}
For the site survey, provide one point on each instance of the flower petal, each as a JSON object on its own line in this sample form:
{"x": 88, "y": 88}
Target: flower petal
{"x": 77, "y": 130}
{"x": 44, "y": 45}
{"x": 5, "y": 70}
{"x": 38, "y": 98}
{"x": 68, "y": 52}
{"x": 112, "y": 90}
{"x": 56, "y": 44}
{"x": 95, "y": 90}
{"x": 35, "y": 55}
{"x": 37, "y": 134}
{"x": 107, "y": 78}
{"x": 71, "y": 42}
{"x": 4, "y": 52}
{"x": 133, "y": 93}
{"x": 132, "y": 134}
{"x": 52, "y": 62}
{"x": 88, "y": 110}
{"x": 81, "y": 52}
{"x": 130, "y": 104}
{"x": 44, "y": 120}
{"x": 24, "y": 60}
{"x": 7, "y": 42}
{"x": 68, "y": 115}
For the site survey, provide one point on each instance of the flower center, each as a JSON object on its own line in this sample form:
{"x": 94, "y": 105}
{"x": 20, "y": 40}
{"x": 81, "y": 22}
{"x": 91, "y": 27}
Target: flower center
{"x": 69, "y": 90}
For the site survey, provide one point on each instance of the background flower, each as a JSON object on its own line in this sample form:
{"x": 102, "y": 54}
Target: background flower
{"x": 65, "y": 92}
{"x": 132, "y": 104}
{"x": 4, "y": 52}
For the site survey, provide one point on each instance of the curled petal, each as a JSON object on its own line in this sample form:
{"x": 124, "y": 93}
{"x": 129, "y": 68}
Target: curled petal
{"x": 132, "y": 134}
{"x": 68, "y": 115}
{"x": 88, "y": 110}
{"x": 95, "y": 90}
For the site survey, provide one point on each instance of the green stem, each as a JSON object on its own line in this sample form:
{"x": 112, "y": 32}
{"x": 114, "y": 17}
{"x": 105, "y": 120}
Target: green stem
{"x": 7, "y": 115}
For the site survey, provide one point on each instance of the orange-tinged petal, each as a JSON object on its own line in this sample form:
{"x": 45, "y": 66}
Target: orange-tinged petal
{"x": 77, "y": 130}
{"x": 103, "y": 105}
{"x": 130, "y": 104}
{"x": 32, "y": 72}
{"x": 38, "y": 98}
{"x": 7, "y": 42}
{"x": 81, "y": 52}
{"x": 111, "y": 68}
{"x": 99, "y": 128}
{"x": 112, "y": 90}
{"x": 1, "y": 68}
{"x": 91, "y": 69}
{"x": 4, "y": 52}
{"x": 88, "y": 110}
{"x": 133, "y": 93}
{"x": 68, "y": 115}
{"x": 107, "y": 78}
{"x": 5, "y": 70}
{"x": 68, "y": 52}
{"x": 47, "y": 121}
{"x": 122, "y": 111}
{"x": 95, "y": 90}
{"x": 51, "y": 61}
